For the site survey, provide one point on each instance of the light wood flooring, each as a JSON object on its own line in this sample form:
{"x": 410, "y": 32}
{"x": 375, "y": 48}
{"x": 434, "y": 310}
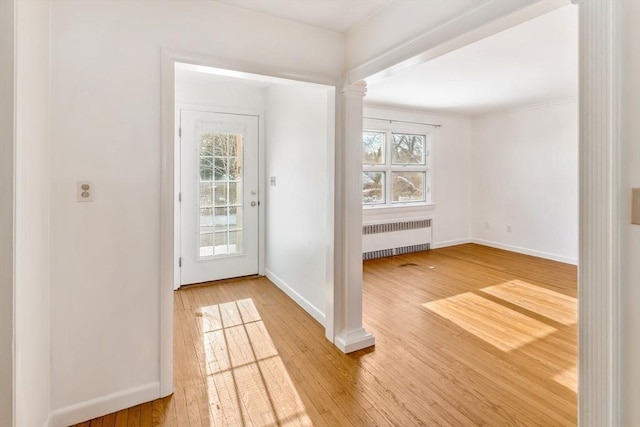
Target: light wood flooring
{"x": 465, "y": 336}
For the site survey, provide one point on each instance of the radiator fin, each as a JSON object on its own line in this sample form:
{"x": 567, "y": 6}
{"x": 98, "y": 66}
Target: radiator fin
{"x": 396, "y": 251}
{"x": 396, "y": 226}
{"x": 377, "y": 254}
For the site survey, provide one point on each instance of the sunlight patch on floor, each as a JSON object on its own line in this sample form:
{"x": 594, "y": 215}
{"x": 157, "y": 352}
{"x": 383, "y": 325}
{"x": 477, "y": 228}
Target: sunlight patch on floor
{"x": 499, "y": 326}
{"x": 556, "y": 306}
{"x": 248, "y": 383}
{"x": 568, "y": 378}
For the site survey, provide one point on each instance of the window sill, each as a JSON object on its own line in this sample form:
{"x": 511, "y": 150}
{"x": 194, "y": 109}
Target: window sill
{"x": 399, "y": 207}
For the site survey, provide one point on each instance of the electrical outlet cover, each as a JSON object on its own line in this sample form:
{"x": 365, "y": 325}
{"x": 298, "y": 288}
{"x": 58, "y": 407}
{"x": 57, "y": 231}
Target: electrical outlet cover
{"x": 84, "y": 191}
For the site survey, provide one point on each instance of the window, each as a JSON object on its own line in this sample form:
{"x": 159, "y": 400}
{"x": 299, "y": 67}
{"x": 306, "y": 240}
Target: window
{"x": 395, "y": 168}
{"x": 220, "y": 209}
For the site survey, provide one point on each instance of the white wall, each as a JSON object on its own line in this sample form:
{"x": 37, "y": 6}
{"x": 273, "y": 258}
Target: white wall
{"x": 32, "y": 370}
{"x": 298, "y": 220}
{"x": 106, "y": 128}
{"x": 7, "y": 63}
{"x": 525, "y": 174}
{"x": 630, "y": 234}
{"x": 450, "y": 185}
{"x": 208, "y": 90}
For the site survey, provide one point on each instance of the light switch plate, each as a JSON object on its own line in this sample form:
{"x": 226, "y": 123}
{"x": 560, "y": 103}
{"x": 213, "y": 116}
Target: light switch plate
{"x": 635, "y": 206}
{"x": 84, "y": 191}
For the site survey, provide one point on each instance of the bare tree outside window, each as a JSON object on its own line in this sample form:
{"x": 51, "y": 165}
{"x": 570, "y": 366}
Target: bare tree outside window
{"x": 373, "y": 188}
{"x": 373, "y": 148}
{"x": 394, "y": 173}
{"x": 408, "y": 186}
{"x": 407, "y": 149}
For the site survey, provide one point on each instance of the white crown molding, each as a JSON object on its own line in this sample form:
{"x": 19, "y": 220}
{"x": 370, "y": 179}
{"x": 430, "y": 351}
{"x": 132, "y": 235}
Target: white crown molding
{"x": 413, "y": 110}
{"x": 537, "y": 106}
{"x": 497, "y": 112}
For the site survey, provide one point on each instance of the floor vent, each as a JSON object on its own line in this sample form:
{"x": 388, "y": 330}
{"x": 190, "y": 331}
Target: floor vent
{"x": 395, "y": 238}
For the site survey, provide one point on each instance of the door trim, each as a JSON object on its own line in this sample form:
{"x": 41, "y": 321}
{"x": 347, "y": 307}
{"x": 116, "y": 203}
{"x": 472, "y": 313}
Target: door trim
{"x": 7, "y": 211}
{"x": 177, "y": 229}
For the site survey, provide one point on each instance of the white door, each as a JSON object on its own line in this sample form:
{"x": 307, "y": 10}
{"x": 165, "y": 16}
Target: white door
{"x": 219, "y": 186}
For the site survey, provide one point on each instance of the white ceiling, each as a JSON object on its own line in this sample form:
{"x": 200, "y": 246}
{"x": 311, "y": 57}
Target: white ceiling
{"x": 533, "y": 63}
{"x": 332, "y": 15}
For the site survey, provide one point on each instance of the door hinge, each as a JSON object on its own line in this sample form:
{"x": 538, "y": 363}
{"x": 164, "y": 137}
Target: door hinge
{"x": 180, "y": 196}
{"x": 180, "y": 262}
{"x": 180, "y": 132}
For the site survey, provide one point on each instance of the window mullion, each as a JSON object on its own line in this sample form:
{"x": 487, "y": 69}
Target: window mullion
{"x": 388, "y": 184}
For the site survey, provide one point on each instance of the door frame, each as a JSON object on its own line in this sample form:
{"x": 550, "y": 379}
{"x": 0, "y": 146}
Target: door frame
{"x": 177, "y": 223}
{"x": 168, "y": 195}
{"x": 7, "y": 211}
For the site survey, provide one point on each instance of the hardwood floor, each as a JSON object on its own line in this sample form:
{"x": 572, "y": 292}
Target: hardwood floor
{"x": 465, "y": 336}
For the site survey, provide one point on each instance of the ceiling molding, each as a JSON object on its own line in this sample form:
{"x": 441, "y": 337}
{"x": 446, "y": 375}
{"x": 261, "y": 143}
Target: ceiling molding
{"x": 336, "y": 16}
{"x": 487, "y": 19}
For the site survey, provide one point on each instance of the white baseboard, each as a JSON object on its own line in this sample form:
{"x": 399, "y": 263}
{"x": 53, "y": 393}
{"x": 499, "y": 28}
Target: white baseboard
{"x": 294, "y": 295}
{"x": 525, "y": 251}
{"x": 103, "y": 405}
{"x": 447, "y": 243}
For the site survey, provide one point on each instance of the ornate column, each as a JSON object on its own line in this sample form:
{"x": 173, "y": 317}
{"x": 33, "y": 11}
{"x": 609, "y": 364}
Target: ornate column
{"x": 350, "y": 333}
{"x": 598, "y": 377}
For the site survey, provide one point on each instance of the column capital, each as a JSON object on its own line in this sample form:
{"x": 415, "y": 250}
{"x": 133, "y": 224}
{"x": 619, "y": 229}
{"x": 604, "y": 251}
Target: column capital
{"x": 357, "y": 88}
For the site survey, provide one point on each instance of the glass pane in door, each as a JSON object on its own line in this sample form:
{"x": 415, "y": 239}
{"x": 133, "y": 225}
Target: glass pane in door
{"x": 220, "y": 194}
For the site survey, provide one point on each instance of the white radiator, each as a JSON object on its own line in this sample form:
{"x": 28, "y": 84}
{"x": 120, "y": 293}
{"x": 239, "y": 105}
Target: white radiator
{"x": 395, "y": 238}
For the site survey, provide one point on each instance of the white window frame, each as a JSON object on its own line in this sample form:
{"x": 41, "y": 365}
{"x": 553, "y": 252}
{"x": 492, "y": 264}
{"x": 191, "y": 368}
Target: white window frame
{"x": 389, "y": 129}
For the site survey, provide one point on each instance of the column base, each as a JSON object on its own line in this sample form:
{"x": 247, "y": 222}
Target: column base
{"x": 350, "y": 341}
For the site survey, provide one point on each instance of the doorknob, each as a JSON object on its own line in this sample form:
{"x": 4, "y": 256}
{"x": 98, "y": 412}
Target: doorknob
{"x": 253, "y": 203}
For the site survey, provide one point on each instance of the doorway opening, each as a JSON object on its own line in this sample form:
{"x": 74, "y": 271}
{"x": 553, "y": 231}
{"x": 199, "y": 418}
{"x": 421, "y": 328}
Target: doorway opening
{"x": 492, "y": 106}
{"x": 248, "y": 183}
